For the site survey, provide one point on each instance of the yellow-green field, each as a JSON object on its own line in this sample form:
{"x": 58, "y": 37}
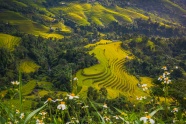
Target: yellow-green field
{"x": 82, "y": 14}
{"x": 110, "y": 72}
{"x": 28, "y": 66}
{"x": 63, "y": 27}
{"x": 171, "y": 5}
{"x": 166, "y": 21}
{"x": 9, "y": 42}
{"x": 27, "y": 26}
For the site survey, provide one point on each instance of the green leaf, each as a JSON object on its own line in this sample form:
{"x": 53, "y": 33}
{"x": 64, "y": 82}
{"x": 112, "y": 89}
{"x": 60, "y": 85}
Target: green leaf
{"x": 55, "y": 121}
{"x": 154, "y": 112}
{"x": 8, "y": 111}
{"x": 120, "y": 111}
{"x": 103, "y": 121}
{"x": 2, "y": 120}
{"x": 33, "y": 113}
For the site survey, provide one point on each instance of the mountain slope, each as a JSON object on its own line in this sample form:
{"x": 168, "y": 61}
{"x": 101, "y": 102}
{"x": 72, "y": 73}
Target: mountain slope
{"x": 55, "y": 19}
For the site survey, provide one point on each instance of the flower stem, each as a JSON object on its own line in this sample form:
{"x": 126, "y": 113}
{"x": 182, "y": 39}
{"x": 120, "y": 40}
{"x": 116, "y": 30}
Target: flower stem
{"x": 20, "y": 90}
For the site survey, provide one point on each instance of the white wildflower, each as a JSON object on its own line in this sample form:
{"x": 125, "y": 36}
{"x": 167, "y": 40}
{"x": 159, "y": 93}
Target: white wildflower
{"x": 17, "y": 111}
{"x": 166, "y": 73}
{"x": 75, "y": 79}
{"x": 147, "y": 119}
{"x": 15, "y": 82}
{"x": 58, "y": 100}
{"x": 39, "y": 121}
{"x": 144, "y": 87}
{"x": 141, "y": 98}
{"x": 164, "y": 68}
{"x": 72, "y": 96}
{"x": 43, "y": 113}
{"x": 167, "y": 81}
{"x": 106, "y": 118}
{"x": 160, "y": 78}
{"x": 62, "y": 106}
{"x": 22, "y": 115}
{"x": 174, "y": 110}
{"x": 105, "y": 106}
{"x": 86, "y": 106}
{"x": 116, "y": 117}
{"x": 49, "y": 100}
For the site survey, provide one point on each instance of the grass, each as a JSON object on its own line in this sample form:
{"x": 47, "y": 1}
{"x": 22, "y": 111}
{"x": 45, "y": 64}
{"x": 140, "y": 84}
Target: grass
{"x": 151, "y": 45}
{"x": 37, "y": 5}
{"x": 27, "y": 104}
{"x": 43, "y": 9}
{"x": 9, "y": 42}
{"x": 97, "y": 21}
{"x": 77, "y": 18}
{"x": 96, "y": 70}
{"x": 170, "y": 4}
{"x": 63, "y": 27}
{"x": 132, "y": 14}
{"x": 110, "y": 72}
{"x": 20, "y": 3}
{"x": 28, "y": 87}
{"x": 164, "y": 21}
{"x": 46, "y": 18}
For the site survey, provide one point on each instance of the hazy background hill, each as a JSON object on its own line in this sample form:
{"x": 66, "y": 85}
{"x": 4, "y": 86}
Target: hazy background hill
{"x": 173, "y": 10}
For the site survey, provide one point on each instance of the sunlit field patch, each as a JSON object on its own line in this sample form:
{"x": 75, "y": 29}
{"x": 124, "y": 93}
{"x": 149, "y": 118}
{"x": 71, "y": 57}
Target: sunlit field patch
{"x": 9, "y": 42}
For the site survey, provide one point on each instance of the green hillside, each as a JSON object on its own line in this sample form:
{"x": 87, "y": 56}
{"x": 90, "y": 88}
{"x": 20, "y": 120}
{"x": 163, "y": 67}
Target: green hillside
{"x": 40, "y": 18}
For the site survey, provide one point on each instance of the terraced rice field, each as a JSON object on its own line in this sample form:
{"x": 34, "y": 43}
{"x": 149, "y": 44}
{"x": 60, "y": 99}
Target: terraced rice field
{"x": 28, "y": 66}
{"x": 109, "y": 73}
{"x": 26, "y": 25}
{"x": 9, "y": 42}
{"x": 85, "y": 13}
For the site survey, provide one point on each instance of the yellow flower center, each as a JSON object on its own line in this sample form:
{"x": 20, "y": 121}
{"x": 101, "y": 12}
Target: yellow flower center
{"x": 166, "y": 79}
{"x": 62, "y": 102}
{"x": 72, "y": 94}
{"x": 148, "y": 116}
{"x": 49, "y": 99}
{"x": 175, "y": 109}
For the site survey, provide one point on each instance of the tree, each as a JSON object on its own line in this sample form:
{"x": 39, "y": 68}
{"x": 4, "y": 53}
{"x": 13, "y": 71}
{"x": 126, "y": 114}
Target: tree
{"x": 103, "y": 92}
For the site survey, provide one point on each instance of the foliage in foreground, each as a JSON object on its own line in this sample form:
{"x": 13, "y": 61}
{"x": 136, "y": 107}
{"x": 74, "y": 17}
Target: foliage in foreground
{"x": 72, "y": 109}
